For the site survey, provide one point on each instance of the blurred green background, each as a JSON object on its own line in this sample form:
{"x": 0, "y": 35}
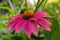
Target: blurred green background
{"x": 12, "y": 7}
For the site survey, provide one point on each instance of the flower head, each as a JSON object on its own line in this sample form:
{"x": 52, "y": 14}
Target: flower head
{"x": 29, "y": 21}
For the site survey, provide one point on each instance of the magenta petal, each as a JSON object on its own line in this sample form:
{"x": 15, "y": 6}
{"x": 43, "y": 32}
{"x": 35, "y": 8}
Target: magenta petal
{"x": 34, "y": 28}
{"x": 42, "y": 14}
{"x": 44, "y": 24}
{"x": 12, "y": 29}
{"x": 19, "y": 26}
{"x": 15, "y": 20}
{"x": 27, "y": 29}
{"x": 12, "y": 22}
{"x": 18, "y": 16}
{"x": 32, "y": 19}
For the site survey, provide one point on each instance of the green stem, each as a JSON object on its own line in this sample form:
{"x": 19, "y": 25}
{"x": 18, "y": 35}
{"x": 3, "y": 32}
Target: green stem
{"x": 36, "y": 9}
{"x": 26, "y": 3}
{"x": 38, "y": 3}
{"x": 11, "y": 5}
{"x": 44, "y": 4}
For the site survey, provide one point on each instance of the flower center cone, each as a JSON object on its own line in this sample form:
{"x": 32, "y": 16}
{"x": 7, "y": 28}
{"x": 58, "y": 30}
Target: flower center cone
{"x": 28, "y": 15}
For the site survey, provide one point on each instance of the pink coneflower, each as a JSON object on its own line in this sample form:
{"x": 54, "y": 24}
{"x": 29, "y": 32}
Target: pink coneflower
{"x": 29, "y": 21}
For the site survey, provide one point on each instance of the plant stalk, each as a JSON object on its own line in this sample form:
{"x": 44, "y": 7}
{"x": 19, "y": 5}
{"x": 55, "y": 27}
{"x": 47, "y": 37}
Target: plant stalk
{"x": 38, "y": 5}
{"x": 11, "y": 5}
{"x": 26, "y": 3}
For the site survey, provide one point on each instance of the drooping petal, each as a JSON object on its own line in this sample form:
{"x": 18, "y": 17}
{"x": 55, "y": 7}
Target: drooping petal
{"x": 44, "y": 23}
{"x": 12, "y": 22}
{"x": 19, "y": 26}
{"x": 18, "y": 16}
{"x": 42, "y": 14}
{"x": 14, "y": 17}
{"x": 27, "y": 29}
{"x": 34, "y": 27}
{"x": 12, "y": 29}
